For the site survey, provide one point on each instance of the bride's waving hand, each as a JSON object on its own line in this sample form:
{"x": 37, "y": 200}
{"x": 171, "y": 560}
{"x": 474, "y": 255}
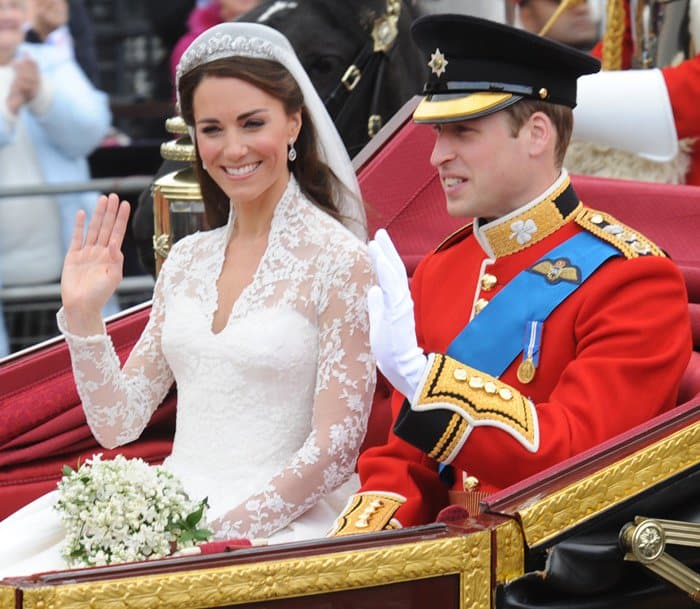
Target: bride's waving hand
{"x": 92, "y": 269}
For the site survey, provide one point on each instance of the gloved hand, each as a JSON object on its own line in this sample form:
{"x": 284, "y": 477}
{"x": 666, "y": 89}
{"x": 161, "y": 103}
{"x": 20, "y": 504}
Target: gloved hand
{"x": 392, "y": 332}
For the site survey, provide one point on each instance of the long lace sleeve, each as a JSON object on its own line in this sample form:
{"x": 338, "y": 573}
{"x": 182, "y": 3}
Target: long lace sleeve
{"x": 345, "y": 382}
{"x": 118, "y": 403}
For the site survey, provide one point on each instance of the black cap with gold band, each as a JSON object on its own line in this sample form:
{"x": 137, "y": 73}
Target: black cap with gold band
{"x": 478, "y": 67}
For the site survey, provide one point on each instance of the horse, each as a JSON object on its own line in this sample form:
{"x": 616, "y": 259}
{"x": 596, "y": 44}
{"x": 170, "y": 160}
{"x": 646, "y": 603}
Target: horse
{"x": 361, "y": 59}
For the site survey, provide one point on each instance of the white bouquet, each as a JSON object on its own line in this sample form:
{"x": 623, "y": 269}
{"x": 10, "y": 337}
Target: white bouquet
{"x": 124, "y": 510}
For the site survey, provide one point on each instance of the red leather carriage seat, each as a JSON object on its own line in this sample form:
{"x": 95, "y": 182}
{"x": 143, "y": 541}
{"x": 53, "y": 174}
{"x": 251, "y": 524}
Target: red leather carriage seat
{"x": 42, "y": 425}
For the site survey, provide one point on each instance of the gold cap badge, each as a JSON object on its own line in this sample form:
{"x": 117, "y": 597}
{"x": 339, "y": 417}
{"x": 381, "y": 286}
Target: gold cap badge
{"x": 438, "y": 63}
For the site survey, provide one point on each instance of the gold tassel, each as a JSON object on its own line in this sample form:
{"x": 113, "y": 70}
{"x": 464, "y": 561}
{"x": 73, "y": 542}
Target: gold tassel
{"x": 614, "y": 34}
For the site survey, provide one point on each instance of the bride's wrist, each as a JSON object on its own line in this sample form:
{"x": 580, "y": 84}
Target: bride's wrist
{"x": 82, "y": 323}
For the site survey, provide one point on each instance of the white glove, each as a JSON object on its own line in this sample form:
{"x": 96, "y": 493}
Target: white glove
{"x": 392, "y": 326}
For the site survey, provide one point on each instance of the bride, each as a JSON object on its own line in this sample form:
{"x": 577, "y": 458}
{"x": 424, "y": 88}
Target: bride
{"x": 261, "y": 320}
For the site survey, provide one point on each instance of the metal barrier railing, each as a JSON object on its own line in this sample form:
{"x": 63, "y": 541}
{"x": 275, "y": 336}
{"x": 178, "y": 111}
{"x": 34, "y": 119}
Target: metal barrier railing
{"x": 122, "y": 185}
{"x": 30, "y": 310}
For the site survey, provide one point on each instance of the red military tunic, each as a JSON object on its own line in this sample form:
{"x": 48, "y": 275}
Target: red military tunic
{"x": 683, "y": 85}
{"x": 611, "y": 357}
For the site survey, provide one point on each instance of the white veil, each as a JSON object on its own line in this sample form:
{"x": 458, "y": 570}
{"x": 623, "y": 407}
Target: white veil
{"x": 235, "y": 38}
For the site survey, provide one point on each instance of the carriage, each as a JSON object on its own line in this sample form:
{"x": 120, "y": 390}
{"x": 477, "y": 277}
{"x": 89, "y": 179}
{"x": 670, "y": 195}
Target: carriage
{"x": 615, "y": 526}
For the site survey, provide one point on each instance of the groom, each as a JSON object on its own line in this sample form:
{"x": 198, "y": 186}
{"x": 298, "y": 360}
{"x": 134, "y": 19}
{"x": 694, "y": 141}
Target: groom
{"x": 538, "y": 331}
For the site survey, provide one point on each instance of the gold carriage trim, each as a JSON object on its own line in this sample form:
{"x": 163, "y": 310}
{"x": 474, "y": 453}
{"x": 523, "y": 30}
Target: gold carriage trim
{"x": 477, "y": 399}
{"x": 610, "y": 486}
{"x": 468, "y": 557}
{"x": 368, "y": 513}
{"x": 631, "y": 243}
{"x": 510, "y": 551}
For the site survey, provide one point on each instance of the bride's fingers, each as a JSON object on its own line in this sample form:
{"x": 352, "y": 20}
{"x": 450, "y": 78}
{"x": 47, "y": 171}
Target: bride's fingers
{"x": 107, "y": 226}
{"x": 120, "y": 224}
{"x": 96, "y": 221}
{"x": 76, "y": 242}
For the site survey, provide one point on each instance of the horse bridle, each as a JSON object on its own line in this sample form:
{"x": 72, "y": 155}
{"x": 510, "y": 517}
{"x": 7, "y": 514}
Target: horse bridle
{"x": 368, "y": 66}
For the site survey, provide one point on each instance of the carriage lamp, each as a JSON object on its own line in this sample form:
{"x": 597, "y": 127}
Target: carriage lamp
{"x": 178, "y": 209}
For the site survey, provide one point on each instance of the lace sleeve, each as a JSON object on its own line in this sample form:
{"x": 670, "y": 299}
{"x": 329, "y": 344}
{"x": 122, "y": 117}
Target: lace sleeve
{"x": 119, "y": 403}
{"x": 345, "y": 383}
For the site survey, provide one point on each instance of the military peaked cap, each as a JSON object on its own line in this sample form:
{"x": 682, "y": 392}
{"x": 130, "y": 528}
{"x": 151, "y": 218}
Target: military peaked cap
{"x": 478, "y": 67}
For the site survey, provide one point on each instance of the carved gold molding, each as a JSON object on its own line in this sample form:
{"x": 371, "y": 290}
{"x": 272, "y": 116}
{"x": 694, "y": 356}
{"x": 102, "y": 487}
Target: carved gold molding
{"x": 7, "y": 597}
{"x": 475, "y": 578}
{"x": 468, "y": 556}
{"x": 510, "y": 551}
{"x": 611, "y": 485}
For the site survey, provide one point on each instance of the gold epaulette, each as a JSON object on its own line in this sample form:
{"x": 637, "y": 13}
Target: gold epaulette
{"x": 368, "y": 513}
{"x": 630, "y": 242}
{"x": 459, "y": 235}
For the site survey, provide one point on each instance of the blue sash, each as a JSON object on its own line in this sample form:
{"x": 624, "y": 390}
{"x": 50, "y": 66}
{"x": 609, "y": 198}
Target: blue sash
{"x": 494, "y": 338}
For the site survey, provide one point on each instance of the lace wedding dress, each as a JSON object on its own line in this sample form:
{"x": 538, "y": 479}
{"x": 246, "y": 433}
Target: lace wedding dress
{"x": 271, "y": 410}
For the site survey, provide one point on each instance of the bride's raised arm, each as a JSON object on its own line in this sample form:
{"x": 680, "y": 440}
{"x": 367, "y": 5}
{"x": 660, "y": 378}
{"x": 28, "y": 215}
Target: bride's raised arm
{"x": 118, "y": 403}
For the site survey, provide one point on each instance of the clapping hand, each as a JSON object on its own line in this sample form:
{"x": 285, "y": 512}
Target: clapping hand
{"x": 25, "y": 85}
{"x": 392, "y": 326}
{"x": 92, "y": 269}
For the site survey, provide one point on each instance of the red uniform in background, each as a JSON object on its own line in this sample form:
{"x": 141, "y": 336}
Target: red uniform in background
{"x": 683, "y": 84}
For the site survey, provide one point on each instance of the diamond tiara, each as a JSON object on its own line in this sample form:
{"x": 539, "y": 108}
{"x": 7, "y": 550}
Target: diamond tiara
{"x": 220, "y": 46}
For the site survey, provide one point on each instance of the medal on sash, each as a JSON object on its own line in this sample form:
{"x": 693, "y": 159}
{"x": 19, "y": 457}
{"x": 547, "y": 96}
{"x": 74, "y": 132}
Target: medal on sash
{"x": 531, "y": 352}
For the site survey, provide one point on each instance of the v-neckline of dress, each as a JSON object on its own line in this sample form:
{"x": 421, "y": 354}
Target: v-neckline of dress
{"x": 273, "y": 239}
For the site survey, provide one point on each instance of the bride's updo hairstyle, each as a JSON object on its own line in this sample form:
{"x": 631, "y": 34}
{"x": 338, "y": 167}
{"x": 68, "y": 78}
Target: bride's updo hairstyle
{"x": 264, "y": 58}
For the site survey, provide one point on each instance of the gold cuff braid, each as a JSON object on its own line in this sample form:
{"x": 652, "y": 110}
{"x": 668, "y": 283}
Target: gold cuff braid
{"x": 368, "y": 513}
{"x": 476, "y": 399}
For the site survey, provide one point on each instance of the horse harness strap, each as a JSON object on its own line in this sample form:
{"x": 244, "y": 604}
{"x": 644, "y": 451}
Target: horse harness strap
{"x": 368, "y": 66}
{"x": 337, "y": 98}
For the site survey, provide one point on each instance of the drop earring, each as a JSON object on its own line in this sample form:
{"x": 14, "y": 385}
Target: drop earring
{"x": 292, "y": 154}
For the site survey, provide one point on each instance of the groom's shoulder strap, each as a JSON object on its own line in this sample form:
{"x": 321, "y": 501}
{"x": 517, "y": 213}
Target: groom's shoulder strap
{"x": 459, "y": 235}
{"x": 631, "y": 243}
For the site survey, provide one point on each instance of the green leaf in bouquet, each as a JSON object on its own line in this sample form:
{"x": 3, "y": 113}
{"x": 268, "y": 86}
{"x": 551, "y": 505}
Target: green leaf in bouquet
{"x": 192, "y": 520}
{"x": 185, "y": 537}
{"x": 67, "y": 470}
{"x": 202, "y": 535}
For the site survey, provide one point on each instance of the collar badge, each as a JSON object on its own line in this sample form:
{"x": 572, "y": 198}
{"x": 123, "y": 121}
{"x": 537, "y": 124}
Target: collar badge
{"x": 437, "y": 63}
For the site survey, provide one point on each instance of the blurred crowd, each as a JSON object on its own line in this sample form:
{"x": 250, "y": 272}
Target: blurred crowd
{"x": 51, "y": 119}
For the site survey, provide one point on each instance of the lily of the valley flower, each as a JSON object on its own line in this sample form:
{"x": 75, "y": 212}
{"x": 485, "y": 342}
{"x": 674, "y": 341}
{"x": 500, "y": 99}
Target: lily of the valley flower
{"x": 124, "y": 510}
